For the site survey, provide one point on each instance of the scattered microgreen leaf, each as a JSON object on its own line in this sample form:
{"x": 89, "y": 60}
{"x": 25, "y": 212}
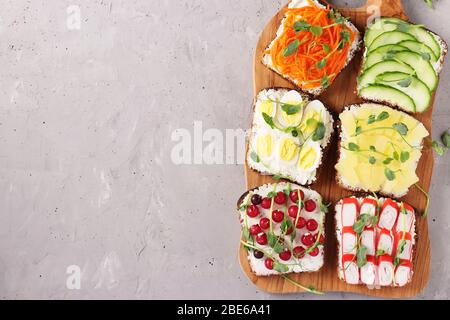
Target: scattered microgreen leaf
{"x": 372, "y": 118}
{"x": 281, "y": 268}
{"x": 319, "y": 132}
{"x": 387, "y": 161}
{"x": 322, "y": 63}
{"x": 372, "y": 160}
{"x": 381, "y": 252}
{"x": 446, "y": 139}
{"x": 301, "y": 25}
{"x": 396, "y": 156}
{"x": 271, "y": 194}
{"x": 405, "y": 83}
{"x": 425, "y": 56}
{"x": 326, "y": 48}
{"x": 372, "y": 148}
{"x": 325, "y": 82}
{"x": 401, "y": 128}
{"x": 316, "y": 30}
{"x": 291, "y": 109}
{"x": 254, "y": 156}
{"x": 291, "y": 48}
{"x": 429, "y": 3}
{"x": 246, "y": 234}
{"x": 353, "y": 146}
{"x": 361, "y": 256}
{"x": 440, "y": 150}
{"x": 358, "y": 131}
{"x": 268, "y": 119}
{"x": 390, "y": 175}
{"x": 404, "y": 156}
{"x": 383, "y": 116}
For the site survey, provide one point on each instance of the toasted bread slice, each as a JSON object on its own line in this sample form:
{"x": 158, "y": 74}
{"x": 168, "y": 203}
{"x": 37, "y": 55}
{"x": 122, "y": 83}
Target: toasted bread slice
{"x": 354, "y": 46}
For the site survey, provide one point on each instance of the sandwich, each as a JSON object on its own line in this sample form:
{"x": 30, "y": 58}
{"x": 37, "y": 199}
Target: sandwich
{"x": 401, "y": 64}
{"x": 282, "y": 229}
{"x": 313, "y": 44}
{"x": 376, "y": 239}
{"x": 289, "y": 135}
{"x": 379, "y": 149}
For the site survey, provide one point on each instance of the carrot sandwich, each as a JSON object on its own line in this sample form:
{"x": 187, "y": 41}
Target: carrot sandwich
{"x": 312, "y": 46}
{"x": 376, "y": 238}
{"x": 288, "y": 136}
{"x": 282, "y": 229}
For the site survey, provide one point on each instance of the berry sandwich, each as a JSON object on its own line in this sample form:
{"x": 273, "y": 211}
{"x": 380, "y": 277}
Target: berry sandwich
{"x": 282, "y": 229}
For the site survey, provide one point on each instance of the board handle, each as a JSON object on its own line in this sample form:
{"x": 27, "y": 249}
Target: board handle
{"x": 392, "y": 8}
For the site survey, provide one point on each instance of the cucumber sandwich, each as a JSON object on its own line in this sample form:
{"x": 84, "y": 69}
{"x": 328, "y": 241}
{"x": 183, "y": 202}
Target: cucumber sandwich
{"x": 401, "y": 64}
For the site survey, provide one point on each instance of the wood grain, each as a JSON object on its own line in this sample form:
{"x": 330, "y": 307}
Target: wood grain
{"x": 338, "y": 95}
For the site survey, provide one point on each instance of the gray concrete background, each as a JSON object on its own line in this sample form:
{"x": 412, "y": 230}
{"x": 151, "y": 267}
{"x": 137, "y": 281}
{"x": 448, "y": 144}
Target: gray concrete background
{"x": 86, "y": 118}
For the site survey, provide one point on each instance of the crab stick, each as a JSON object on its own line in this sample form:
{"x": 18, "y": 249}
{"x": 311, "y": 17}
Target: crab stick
{"x": 349, "y": 215}
{"x": 403, "y": 273}
{"x": 388, "y": 215}
{"x": 385, "y": 241}
{"x": 403, "y": 250}
{"x": 369, "y": 206}
{"x": 406, "y": 219}
{"x": 350, "y": 269}
{"x": 369, "y": 271}
{"x": 349, "y": 212}
{"x": 385, "y": 270}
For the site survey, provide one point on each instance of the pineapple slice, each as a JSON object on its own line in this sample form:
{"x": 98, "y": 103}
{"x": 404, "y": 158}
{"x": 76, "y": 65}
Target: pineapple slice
{"x": 380, "y": 149}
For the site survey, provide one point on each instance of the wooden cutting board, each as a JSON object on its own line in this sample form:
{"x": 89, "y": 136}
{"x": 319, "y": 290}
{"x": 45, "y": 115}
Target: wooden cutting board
{"x": 338, "y": 95}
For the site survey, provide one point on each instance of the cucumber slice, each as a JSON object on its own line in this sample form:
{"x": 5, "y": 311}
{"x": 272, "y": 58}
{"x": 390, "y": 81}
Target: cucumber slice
{"x": 369, "y": 75}
{"x": 379, "y": 92}
{"x": 415, "y": 89}
{"x": 373, "y": 57}
{"x": 424, "y": 36}
{"x": 378, "y": 27}
{"x": 391, "y": 37}
{"x": 384, "y": 25}
{"x": 424, "y": 69}
{"x": 419, "y": 47}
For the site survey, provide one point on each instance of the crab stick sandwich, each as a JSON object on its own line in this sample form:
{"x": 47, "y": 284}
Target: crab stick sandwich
{"x": 376, "y": 240}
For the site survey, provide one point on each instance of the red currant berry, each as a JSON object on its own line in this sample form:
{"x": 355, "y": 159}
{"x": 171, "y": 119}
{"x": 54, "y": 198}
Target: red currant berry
{"x": 290, "y": 230}
{"x": 277, "y": 215}
{"x": 293, "y": 211}
{"x": 256, "y": 199}
{"x": 258, "y": 254}
{"x": 255, "y": 229}
{"x": 299, "y": 251}
{"x": 308, "y": 239}
{"x": 321, "y": 240}
{"x": 285, "y": 255}
{"x": 280, "y": 198}
{"x": 294, "y": 195}
{"x": 266, "y": 203}
{"x": 252, "y": 211}
{"x": 301, "y": 223}
{"x": 261, "y": 239}
{"x": 310, "y": 205}
{"x": 264, "y": 223}
{"x": 314, "y": 252}
{"x": 269, "y": 264}
{"x": 311, "y": 225}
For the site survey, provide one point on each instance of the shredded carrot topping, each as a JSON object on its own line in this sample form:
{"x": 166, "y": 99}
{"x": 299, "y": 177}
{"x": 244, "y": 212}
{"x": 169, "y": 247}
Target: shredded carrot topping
{"x": 314, "y": 46}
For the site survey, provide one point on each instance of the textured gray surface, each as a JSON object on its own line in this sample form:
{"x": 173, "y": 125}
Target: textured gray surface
{"x": 86, "y": 118}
